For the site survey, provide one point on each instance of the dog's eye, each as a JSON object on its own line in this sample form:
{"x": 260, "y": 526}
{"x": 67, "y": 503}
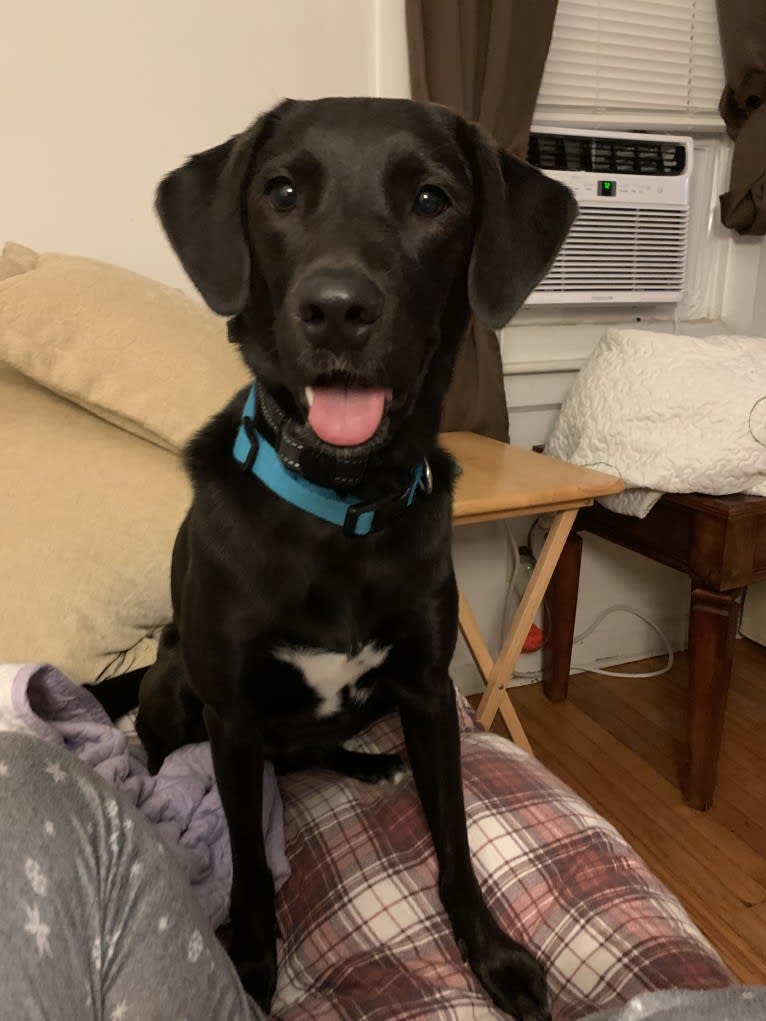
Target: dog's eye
{"x": 282, "y": 193}
{"x": 430, "y": 201}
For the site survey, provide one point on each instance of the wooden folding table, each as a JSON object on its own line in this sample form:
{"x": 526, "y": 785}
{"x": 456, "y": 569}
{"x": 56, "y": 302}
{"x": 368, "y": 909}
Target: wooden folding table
{"x": 501, "y": 481}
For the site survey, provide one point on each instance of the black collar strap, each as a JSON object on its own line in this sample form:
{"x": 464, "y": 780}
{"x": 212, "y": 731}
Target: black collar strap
{"x": 301, "y": 451}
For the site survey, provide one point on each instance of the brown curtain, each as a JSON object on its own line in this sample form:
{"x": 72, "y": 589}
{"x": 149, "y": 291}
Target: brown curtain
{"x": 485, "y": 59}
{"x": 742, "y": 28}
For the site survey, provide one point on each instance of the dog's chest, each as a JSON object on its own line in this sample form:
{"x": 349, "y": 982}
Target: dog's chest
{"x": 333, "y": 675}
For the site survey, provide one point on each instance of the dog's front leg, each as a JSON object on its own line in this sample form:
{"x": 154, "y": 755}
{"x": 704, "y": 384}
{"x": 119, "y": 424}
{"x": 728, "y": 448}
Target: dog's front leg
{"x": 238, "y": 763}
{"x": 507, "y": 970}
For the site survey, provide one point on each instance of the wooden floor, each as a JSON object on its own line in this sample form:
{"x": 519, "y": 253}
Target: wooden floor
{"x": 619, "y": 744}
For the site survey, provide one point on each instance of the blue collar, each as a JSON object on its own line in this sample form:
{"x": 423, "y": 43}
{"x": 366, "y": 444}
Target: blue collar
{"x": 258, "y": 456}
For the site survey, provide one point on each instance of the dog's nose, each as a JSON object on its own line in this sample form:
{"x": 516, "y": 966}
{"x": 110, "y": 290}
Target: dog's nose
{"x": 338, "y": 309}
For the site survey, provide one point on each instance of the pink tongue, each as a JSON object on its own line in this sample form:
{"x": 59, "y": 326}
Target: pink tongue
{"x": 346, "y": 417}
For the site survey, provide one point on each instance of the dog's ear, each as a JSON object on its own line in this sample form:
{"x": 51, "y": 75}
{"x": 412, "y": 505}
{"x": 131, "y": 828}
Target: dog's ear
{"x": 201, "y": 208}
{"x": 524, "y": 217}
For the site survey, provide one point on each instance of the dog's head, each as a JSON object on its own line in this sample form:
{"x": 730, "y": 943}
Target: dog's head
{"x": 348, "y": 238}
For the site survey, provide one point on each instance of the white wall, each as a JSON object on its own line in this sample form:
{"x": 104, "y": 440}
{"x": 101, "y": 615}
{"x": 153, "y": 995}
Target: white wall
{"x": 100, "y": 99}
{"x": 754, "y": 614}
{"x": 759, "y": 303}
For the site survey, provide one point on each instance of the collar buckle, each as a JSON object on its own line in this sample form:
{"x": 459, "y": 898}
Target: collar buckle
{"x": 248, "y": 427}
{"x": 381, "y": 513}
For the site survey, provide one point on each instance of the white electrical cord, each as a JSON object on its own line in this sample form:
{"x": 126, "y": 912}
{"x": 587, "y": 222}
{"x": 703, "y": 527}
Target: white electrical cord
{"x": 614, "y": 673}
{"x": 514, "y": 565}
{"x": 514, "y": 568}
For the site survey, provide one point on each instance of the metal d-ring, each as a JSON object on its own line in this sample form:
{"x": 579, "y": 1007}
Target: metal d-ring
{"x": 427, "y": 481}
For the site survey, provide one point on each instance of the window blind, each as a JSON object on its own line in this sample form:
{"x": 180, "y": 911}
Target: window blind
{"x": 661, "y": 57}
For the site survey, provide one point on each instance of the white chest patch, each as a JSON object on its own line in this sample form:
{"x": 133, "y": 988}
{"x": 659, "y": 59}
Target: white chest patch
{"x": 328, "y": 673}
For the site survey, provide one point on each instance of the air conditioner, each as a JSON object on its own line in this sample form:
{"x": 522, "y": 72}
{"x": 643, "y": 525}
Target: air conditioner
{"x": 628, "y": 243}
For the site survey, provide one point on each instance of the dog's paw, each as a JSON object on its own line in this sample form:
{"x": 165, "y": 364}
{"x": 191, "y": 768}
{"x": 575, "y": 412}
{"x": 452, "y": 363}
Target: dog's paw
{"x": 253, "y": 952}
{"x": 514, "y": 979}
{"x": 259, "y": 977}
{"x": 369, "y": 767}
{"x": 379, "y": 768}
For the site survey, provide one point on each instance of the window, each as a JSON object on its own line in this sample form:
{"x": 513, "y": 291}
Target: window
{"x": 650, "y": 63}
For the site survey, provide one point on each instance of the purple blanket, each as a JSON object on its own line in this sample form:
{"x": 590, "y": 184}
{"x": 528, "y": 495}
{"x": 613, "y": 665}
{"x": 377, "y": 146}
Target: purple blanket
{"x": 181, "y": 800}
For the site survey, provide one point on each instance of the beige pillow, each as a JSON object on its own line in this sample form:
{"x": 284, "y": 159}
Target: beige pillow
{"x": 89, "y": 514}
{"x": 17, "y": 259}
{"x": 127, "y": 348}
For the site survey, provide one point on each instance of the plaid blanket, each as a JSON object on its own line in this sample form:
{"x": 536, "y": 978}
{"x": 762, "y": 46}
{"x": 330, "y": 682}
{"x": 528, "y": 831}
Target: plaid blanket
{"x": 365, "y": 935}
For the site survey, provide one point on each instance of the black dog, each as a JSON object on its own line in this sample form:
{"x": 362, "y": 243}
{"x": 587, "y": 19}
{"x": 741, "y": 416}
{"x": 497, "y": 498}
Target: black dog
{"x": 312, "y": 583}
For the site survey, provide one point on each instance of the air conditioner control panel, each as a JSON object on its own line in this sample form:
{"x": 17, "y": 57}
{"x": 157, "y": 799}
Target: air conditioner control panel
{"x": 617, "y": 188}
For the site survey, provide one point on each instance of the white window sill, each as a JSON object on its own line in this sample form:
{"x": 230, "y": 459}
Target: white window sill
{"x": 631, "y": 120}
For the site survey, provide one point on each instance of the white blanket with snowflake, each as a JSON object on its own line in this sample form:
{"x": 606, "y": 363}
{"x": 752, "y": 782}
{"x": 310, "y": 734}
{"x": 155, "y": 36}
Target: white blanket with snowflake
{"x": 668, "y": 414}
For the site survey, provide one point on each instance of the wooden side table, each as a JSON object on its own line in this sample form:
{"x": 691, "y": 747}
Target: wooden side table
{"x": 720, "y": 542}
{"x": 501, "y": 481}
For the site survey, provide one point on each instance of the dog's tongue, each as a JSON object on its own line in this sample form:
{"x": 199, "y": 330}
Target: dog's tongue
{"x": 345, "y": 417}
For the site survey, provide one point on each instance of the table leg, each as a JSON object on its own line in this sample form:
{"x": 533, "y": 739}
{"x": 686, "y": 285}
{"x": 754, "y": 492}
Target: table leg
{"x": 496, "y": 697}
{"x": 485, "y": 664}
{"x": 562, "y": 603}
{"x": 712, "y": 631}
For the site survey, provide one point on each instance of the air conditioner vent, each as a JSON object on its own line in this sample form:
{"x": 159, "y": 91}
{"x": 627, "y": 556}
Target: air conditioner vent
{"x": 628, "y": 244}
{"x": 621, "y": 251}
{"x": 605, "y": 155}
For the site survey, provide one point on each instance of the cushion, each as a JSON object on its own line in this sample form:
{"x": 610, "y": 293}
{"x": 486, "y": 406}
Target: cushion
{"x": 365, "y": 936}
{"x": 16, "y": 259}
{"x": 127, "y": 348}
{"x": 668, "y": 414}
{"x": 89, "y": 517}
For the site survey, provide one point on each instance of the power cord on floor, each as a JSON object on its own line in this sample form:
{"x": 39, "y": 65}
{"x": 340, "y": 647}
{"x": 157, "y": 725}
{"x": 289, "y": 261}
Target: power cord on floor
{"x": 515, "y": 566}
{"x": 623, "y": 608}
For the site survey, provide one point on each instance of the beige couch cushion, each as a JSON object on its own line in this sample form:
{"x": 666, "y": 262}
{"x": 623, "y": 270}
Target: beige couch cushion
{"x": 17, "y": 259}
{"x": 129, "y": 349}
{"x": 89, "y": 515}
